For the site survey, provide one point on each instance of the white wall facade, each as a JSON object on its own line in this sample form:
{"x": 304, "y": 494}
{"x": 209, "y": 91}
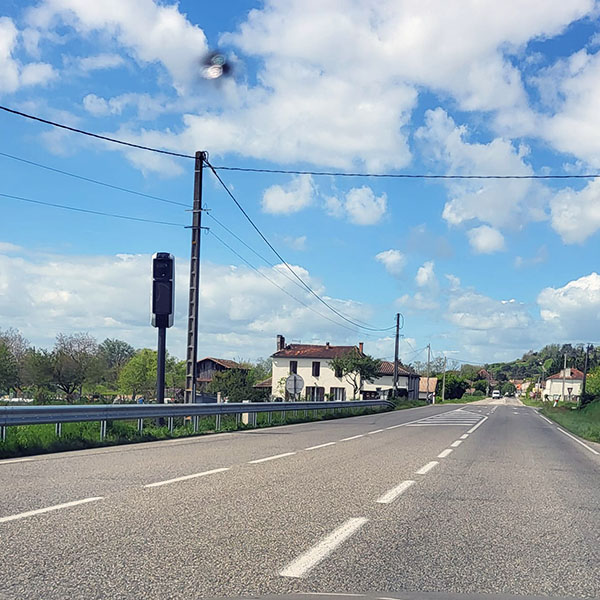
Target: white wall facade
{"x": 554, "y": 388}
{"x": 385, "y": 382}
{"x": 325, "y": 380}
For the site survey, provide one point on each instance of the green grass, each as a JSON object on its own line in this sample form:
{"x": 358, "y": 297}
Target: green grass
{"x": 533, "y": 402}
{"x": 23, "y": 440}
{"x": 402, "y": 404}
{"x": 584, "y": 423}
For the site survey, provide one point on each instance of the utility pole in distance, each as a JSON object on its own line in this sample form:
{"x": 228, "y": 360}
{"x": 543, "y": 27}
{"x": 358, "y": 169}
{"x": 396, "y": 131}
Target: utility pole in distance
{"x": 428, "y": 361}
{"x": 585, "y": 370}
{"x": 192, "y": 332}
{"x": 444, "y": 380}
{"x": 396, "y": 355}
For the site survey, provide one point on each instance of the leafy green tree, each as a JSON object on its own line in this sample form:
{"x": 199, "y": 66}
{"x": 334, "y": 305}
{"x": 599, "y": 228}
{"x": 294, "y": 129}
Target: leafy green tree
{"x": 175, "y": 372}
{"x": 18, "y": 347}
{"x": 75, "y": 362}
{"x": 138, "y": 375}
{"x": 356, "y": 368}
{"x": 481, "y": 385}
{"x": 38, "y": 374}
{"x": 260, "y": 370}
{"x": 9, "y": 369}
{"x": 456, "y": 385}
{"x": 508, "y": 389}
{"x": 115, "y": 354}
{"x": 234, "y": 384}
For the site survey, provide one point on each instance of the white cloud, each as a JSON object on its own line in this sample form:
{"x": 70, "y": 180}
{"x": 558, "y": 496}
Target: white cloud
{"x": 419, "y": 301}
{"x": 485, "y": 239}
{"x": 393, "y": 261}
{"x": 295, "y": 243}
{"x": 9, "y": 248}
{"x": 100, "y": 61}
{"x": 453, "y": 281}
{"x": 499, "y": 203}
{"x": 13, "y": 74}
{"x": 295, "y": 196}
{"x": 363, "y": 207}
{"x": 426, "y": 275}
{"x": 539, "y": 257}
{"x": 95, "y": 105}
{"x": 573, "y": 311}
{"x": 576, "y": 214}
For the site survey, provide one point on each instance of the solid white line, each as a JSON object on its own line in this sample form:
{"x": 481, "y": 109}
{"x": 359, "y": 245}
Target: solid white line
{"x": 444, "y": 453}
{"x": 14, "y": 460}
{"x": 376, "y": 431}
{"x": 478, "y": 424}
{"x": 441, "y": 424}
{"x": 392, "y": 494}
{"x": 40, "y": 511}
{"x": 427, "y": 467}
{"x": 464, "y": 436}
{"x": 261, "y": 460}
{"x": 310, "y": 559}
{"x": 578, "y": 441}
{"x": 185, "y": 477}
{"x": 547, "y": 420}
{"x": 320, "y": 446}
{"x": 354, "y": 437}
{"x": 456, "y": 444}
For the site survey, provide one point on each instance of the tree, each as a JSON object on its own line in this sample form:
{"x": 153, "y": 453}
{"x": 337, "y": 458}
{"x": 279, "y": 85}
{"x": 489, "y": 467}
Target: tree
{"x": 356, "y": 368}
{"x": 508, "y": 389}
{"x": 138, "y": 376}
{"x": 481, "y": 385}
{"x": 115, "y": 354}
{"x": 75, "y": 361}
{"x": 260, "y": 370}
{"x": 456, "y": 385}
{"x": 38, "y": 374}
{"x": 234, "y": 384}
{"x": 18, "y": 346}
{"x": 9, "y": 369}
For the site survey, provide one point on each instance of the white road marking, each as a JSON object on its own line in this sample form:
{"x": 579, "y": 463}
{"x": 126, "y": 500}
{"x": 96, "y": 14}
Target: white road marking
{"x": 445, "y": 453}
{"x": 276, "y": 456}
{"x": 14, "y": 460}
{"x": 376, "y": 431}
{"x": 579, "y": 441}
{"x": 354, "y": 437}
{"x": 186, "y": 477}
{"x": 39, "y": 511}
{"x": 547, "y": 420}
{"x": 320, "y": 446}
{"x": 456, "y": 444}
{"x": 394, "y": 426}
{"x": 310, "y": 559}
{"x": 392, "y": 494}
{"x": 427, "y": 467}
{"x": 464, "y": 436}
{"x": 478, "y": 424}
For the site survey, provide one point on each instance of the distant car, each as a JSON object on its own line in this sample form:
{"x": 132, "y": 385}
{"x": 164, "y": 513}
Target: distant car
{"x": 496, "y": 394}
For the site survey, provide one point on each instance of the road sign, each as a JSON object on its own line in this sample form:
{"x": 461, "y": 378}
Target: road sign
{"x": 569, "y": 389}
{"x": 294, "y": 384}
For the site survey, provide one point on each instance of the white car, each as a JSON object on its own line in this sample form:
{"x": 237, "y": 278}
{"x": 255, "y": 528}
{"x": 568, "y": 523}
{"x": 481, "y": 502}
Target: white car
{"x": 496, "y": 394}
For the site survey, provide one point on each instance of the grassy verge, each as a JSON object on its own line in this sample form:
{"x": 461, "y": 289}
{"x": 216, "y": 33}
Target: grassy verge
{"x": 403, "y": 404}
{"x": 584, "y": 423}
{"x": 533, "y": 402}
{"x": 24, "y": 440}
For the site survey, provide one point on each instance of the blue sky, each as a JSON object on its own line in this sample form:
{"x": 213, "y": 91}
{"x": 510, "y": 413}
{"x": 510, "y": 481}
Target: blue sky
{"x": 482, "y": 270}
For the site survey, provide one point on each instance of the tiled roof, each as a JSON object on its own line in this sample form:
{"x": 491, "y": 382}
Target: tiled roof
{"x": 423, "y": 384}
{"x": 387, "y": 368}
{"x": 313, "y": 351}
{"x": 228, "y": 364}
{"x": 265, "y": 383}
{"x": 575, "y": 374}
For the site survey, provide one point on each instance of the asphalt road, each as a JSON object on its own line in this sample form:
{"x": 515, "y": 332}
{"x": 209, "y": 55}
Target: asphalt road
{"x": 481, "y": 498}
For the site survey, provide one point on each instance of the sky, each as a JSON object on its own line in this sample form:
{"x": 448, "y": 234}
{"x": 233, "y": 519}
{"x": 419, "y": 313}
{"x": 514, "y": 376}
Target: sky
{"x": 481, "y": 270}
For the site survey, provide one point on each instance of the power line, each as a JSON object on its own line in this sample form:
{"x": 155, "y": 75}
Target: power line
{"x": 278, "y": 286}
{"x": 260, "y": 233}
{"x": 292, "y": 171}
{"x": 90, "y": 180}
{"x": 92, "y": 212}
{"x": 90, "y": 134}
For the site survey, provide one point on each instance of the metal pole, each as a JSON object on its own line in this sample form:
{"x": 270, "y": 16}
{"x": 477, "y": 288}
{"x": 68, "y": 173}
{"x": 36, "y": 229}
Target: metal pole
{"x": 428, "y": 359}
{"x": 396, "y": 355}
{"x": 562, "y": 396}
{"x": 585, "y": 370}
{"x": 160, "y": 365}
{"x": 192, "y": 333}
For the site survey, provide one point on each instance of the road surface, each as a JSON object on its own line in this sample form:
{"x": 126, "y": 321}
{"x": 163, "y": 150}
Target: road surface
{"x": 476, "y": 498}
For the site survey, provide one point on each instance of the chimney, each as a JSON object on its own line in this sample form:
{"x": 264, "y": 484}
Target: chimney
{"x": 280, "y": 342}
{"x": 360, "y": 347}
{"x": 327, "y": 345}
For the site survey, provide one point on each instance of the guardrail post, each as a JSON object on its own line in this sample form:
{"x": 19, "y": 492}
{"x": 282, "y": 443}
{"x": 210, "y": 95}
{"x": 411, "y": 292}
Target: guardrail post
{"x": 269, "y": 417}
{"x": 140, "y": 425}
{"x": 102, "y": 429}
{"x": 237, "y": 419}
{"x": 58, "y": 429}
{"x": 217, "y": 422}
{"x": 196, "y": 422}
{"x": 170, "y": 422}
{"x": 3, "y": 433}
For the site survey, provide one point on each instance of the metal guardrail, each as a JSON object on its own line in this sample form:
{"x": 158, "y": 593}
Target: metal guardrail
{"x": 37, "y": 415}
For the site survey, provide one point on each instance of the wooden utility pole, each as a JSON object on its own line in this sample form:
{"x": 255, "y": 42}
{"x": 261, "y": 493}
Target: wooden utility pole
{"x": 428, "y": 361}
{"x": 585, "y": 370}
{"x": 444, "y": 380}
{"x": 396, "y": 355}
{"x": 192, "y": 332}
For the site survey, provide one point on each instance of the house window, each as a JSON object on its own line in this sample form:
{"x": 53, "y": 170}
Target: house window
{"x": 337, "y": 394}
{"x": 316, "y": 368}
{"x": 338, "y": 372}
{"x": 315, "y": 394}
{"x": 293, "y": 366}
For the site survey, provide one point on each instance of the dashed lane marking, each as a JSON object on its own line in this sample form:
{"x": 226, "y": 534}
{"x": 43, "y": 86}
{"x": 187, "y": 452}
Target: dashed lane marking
{"x": 354, "y": 437}
{"x": 320, "y": 446}
{"x": 427, "y": 467}
{"x": 444, "y": 453}
{"x": 274, "y": 457}
{"x": 392, "y": 494}
{"x": 186, "y": 477}
{"x": 478, "y": 425}
{"x": 464, "y": 436}
{"x": 456, "y": 444}
{"x": 39, "y": 511}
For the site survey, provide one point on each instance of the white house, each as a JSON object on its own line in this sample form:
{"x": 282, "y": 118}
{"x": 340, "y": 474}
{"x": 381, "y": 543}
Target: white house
{"x": 573, "y": 381}
{"x": 408, "y": 380}
{"x": 312, "y": 363}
